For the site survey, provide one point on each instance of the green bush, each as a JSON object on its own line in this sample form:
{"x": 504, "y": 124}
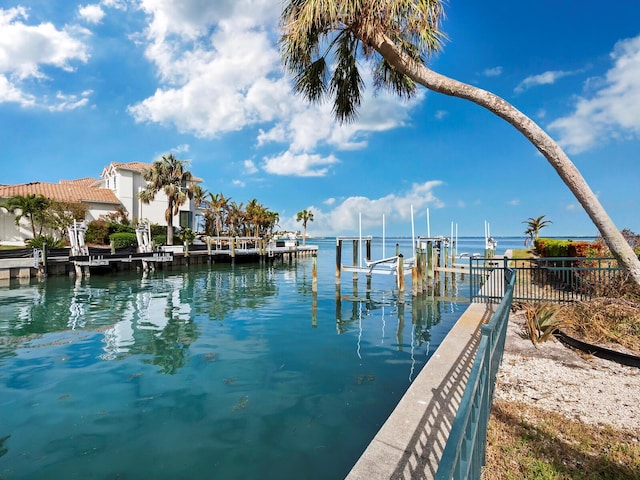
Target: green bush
{"x": 187, "y": 235}
{"x": 97, "y": 232}
{"x": 159, "y": 239}
{"x": 158, "y": 230}
{"x": 42, "y": 239}
{"x": 120, "y": 228}
{"x": 123, "y": 239}
{"x": 548, "y": 247}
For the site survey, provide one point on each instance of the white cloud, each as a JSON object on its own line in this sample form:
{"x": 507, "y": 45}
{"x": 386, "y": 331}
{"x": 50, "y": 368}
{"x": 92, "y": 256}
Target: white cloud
{"x": 345, "y": 216}
{"x": 493, "y": 72}
{"x": 183, "y": 148}
{"x": 219, "y": 69}
{"x": 441, "y": 114}
{"x": 69, "y": 102}
{"x": 10, "y": 93}
{"x": 514, "y": 202}
{"x": 611, "y": 111}
{"x": 275, "y": 134}
{"x": 250, "y": 167}
{"x": 91, "y": 13}
{"x": 329, "y": 201}
{"x": 25, "y": 49}
{"x": 546, "y": 78}
{"x": 238, "y": 183}
{"x": 299, "y": 165}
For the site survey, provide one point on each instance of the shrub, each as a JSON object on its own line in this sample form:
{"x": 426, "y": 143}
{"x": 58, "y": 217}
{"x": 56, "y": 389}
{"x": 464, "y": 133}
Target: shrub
{"x": 120, "y": 228}
{"x": 547, "y": 247}
{"x": 159, "y": 239}
{"x": 158, "y": 230}
{"x": 97, "y": 232}
{"x": 123, "y": 239}
{"x": 187, "y": 235}
{"x": 40, "y": 240}
{"x": 579, "y": 249}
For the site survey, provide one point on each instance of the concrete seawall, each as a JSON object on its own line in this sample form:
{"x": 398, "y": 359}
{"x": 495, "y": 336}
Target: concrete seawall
{"x": 410, "y": 443}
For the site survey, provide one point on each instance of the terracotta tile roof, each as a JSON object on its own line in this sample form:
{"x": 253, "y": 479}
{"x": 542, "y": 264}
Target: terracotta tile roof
{"x": 141, "y": 167}
{"x": 66, "y": 192}
{"x": 87, "y": 182}
{"x": 137, "y": 166}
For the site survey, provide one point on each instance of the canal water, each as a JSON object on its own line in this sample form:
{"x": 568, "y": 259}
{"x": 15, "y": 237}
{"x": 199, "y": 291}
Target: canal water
{"x": 228, "y": 372}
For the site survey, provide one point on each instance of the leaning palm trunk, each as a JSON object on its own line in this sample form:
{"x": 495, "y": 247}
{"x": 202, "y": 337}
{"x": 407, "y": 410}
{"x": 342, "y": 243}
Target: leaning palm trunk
{"x": 419, "y": 73}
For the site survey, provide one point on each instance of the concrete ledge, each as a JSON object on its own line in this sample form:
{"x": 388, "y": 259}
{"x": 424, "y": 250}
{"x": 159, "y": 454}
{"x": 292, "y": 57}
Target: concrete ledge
{"x": 410, "y": 443}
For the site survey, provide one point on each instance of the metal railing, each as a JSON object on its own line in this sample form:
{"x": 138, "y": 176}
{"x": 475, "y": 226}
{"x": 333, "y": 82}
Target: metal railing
{"x": 463, "y": 455}
{"x": 561, "y": 279}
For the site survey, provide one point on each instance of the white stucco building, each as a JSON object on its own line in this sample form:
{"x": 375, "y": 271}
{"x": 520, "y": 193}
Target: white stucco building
{"x": 118, "y": 186}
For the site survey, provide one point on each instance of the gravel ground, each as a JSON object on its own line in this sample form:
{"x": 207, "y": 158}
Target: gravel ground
{"x": 556, "y": 378}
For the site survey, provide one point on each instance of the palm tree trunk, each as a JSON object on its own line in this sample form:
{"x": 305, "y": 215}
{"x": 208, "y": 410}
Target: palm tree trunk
{"x": 419, "y": 73}
{"x": 170, "y": 223}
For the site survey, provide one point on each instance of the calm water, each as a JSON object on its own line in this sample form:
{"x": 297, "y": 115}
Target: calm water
{"x": 222, "y": 372}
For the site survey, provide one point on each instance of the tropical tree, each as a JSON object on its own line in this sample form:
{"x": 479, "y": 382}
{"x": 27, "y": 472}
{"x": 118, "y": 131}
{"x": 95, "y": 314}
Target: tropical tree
{"x": 396, "y": 38}
{"x": 61, "y": 215}
{"x": 215, "y": 212}
{"x": 32, "y": 207}
{"x": 534, "y": 225}
{"x": 304, "y": 216}
{"x": 235, "y": 217}
{"x": 169, "y": 175}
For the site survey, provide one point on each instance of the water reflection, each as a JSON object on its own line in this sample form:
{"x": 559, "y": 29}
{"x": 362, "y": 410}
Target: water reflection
{"x": 152, "y": 316}
{"x": 259, "y": 371}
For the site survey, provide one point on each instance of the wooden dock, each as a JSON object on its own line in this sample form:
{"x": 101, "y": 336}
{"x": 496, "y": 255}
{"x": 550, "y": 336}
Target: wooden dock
{"x": 63, "y": 262}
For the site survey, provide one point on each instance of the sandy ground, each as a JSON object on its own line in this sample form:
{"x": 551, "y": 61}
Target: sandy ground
{"x": 554, "y": 377}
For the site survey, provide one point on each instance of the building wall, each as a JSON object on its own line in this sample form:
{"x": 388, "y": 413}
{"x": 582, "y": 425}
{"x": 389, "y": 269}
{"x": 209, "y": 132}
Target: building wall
{"x": 11, "y": 234}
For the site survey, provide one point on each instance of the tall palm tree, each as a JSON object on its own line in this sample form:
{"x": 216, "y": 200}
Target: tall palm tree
{"x": 534, "y": 225}
{"x": 397, "y": 37}
{"x": 169, "y": 175}
{"x": 235, "y": 217}
{"x": 32, "y": 207}
{"x": 254, "y": 213}
{"x": 304, "y": 216}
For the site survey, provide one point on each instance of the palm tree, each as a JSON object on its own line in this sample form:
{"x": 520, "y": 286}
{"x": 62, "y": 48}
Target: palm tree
{"x": 304, "y": 216}
{"x": 168, "y": 174}
{"x": 534, "y": 225}
{"x": 235, "y": 217}
{"x": 32, "y": 207}
{"x": 398, "y": 36}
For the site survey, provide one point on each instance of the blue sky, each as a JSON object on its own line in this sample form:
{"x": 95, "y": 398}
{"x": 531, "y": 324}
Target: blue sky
{"x": 84, "y": 84}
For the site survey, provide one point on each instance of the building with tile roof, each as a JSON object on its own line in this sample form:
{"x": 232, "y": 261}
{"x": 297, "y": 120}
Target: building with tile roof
{"x": 118, "y": 187}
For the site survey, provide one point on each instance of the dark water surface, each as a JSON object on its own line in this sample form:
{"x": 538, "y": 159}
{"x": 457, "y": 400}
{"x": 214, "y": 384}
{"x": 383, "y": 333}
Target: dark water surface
{"x": 212, "y": 372}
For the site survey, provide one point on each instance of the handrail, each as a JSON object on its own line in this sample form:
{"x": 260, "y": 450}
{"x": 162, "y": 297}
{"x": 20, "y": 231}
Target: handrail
{"x": 463, "y": 455}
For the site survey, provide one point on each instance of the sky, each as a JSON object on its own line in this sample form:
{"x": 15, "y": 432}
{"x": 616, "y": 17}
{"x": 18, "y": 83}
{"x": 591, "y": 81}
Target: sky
{"x": 84, "y": 84}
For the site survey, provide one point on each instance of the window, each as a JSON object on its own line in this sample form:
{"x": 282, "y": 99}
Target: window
{"x": 186, "y": 219}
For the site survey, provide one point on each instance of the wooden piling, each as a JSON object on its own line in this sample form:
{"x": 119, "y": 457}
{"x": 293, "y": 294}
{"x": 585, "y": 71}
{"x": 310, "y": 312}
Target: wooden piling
{"x": 430, "y": 269}
{"x": 338, "y": 259}
{"x": 400, "y": 273}
{"x": 355, "y": 258}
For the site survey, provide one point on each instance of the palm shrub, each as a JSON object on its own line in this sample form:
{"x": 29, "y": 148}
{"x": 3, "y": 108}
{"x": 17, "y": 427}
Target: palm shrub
{"x": 49, "y": 240}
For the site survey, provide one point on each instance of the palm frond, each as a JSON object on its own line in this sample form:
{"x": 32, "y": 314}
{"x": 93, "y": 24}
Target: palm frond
{"x": 346, "y": 83}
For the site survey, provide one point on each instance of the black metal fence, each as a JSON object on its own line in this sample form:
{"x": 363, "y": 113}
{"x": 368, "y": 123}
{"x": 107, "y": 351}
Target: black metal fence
{"x": 561, "y": 279}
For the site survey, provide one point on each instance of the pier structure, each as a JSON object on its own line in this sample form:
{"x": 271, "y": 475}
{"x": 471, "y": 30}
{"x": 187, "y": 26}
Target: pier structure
{"x": 80, "y": 259}
{"x": 430, "y": 257}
